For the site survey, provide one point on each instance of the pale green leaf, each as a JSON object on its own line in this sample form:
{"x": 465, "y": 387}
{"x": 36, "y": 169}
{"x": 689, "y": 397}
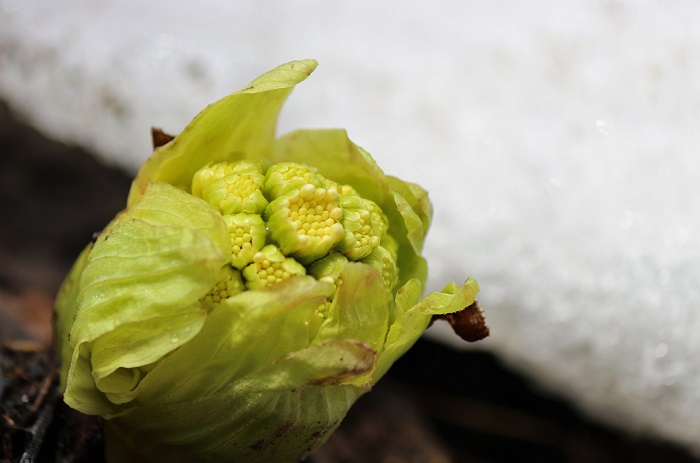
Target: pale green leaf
{"x": 360, "y": 309}
{"x": 139, "y": 290}
{"x": 336, "y": 157}
{"x": 277, "y": 415}
{"x": 239, "y": 126}
{"x": 413, "y": 317}
{"x": 66, "y": 311}
{"x": 242, "y": 335}
{"x": 155, "y": 259}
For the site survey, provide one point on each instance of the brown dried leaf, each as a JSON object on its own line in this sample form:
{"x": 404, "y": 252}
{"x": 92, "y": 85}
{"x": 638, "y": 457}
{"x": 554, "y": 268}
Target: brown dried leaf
{"x": 159, "y": 137}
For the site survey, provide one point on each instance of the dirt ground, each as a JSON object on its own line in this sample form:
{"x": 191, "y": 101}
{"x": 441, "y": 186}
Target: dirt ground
{"x": 435, "y": 405}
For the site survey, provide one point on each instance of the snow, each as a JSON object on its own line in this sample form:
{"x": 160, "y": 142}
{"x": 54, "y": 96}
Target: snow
{"x": 558, "y": 140}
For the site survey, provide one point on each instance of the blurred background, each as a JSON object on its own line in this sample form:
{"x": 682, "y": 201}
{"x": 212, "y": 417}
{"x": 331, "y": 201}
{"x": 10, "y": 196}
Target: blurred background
{"x": 559, "y": 144}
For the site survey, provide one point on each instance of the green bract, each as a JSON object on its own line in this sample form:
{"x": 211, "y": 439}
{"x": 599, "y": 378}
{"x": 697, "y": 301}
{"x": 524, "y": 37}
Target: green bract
{"x": 253, "y": 288}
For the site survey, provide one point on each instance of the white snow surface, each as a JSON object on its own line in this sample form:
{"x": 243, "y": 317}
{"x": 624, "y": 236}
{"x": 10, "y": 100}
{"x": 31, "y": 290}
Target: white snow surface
{"x": 559, "y": 140}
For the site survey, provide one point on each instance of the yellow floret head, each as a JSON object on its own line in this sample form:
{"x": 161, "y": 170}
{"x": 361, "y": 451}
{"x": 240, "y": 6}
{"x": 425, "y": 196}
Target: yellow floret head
{"x": 294, "y": 221}
{"x": 329, "y": 268}
{"x": 232, "y": 187}
{"x": 305, "y": 222}
{"x": 211, "y": 173}
{"x": 344, "y": 190}
{"x": 270, "y": 266}
{"x": 360, "y": 235}
{"x": 248, "y": 236}
{"x": 287, "y": 176}
{"x": 381, "y": 259}
{"x": 380, "y": 224}
{"x": 230, "y": 285}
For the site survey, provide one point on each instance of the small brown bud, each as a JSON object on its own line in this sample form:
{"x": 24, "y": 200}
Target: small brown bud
{"x": 469, "y": 323}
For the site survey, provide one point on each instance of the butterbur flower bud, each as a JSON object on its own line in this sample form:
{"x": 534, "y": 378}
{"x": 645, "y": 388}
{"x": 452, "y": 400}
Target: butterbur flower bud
{"x": 253, "y": 288}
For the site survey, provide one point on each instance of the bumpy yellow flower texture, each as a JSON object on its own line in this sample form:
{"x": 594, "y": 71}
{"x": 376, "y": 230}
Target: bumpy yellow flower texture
{"x": 289, "y": 220}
